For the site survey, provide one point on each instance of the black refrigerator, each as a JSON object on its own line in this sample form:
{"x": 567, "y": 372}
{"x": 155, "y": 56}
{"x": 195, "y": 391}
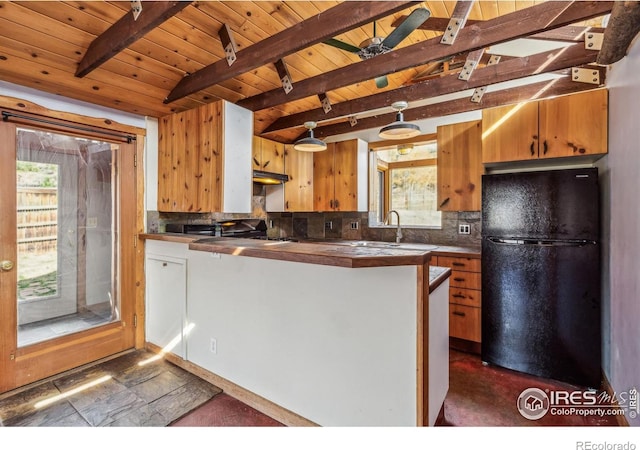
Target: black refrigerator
{"x": 541, "y": 274}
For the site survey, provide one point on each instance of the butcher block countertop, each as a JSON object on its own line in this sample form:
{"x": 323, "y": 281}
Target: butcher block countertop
{"x": 334, "y": 253}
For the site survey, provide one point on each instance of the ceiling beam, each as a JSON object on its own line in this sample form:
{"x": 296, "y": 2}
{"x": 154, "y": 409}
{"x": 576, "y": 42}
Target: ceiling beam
{"x": 551, "y": 61}
{"x": 624, "y": 25}
{"x": 547, "y": 15}
{"x": 125, "y": 32}
{"x": 570, "y": 33}
{"x": 534, "y": 91}
{"x": 337, "y": 20}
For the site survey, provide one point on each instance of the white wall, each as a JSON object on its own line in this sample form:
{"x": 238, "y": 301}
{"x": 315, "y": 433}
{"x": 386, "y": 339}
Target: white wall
{"x": 621, "y": 227}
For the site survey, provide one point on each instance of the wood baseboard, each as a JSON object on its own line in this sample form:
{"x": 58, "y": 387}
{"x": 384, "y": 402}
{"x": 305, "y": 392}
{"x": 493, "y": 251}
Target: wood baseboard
{"x": 620, "y": 418}
{"x": 255, "y": 401}
{"x": 465, "y": 346}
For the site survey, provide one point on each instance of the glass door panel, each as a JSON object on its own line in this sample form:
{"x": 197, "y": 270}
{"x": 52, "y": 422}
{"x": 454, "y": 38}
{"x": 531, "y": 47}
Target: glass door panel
{"x": 66, "y": 241}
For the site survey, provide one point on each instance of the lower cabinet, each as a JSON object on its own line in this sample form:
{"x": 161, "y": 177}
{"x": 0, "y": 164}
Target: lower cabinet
{"x": 166, "y": 300}
{"x": 465, "y": 296}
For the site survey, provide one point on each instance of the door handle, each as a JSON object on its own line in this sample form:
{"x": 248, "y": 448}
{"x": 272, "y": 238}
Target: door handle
{"x": 6, "y": 265}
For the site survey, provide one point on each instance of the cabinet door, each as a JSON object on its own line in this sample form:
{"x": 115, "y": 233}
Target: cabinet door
{"x": 166, "y": 290}
{"x": 510, "y": 133}
{"x": 323, "y": 179}
{"x": 272, "y": 156}
{"x": 574, "y": 125}
{"x": 298, "y": 191}
{"x": 256, "y": 151}
{"x": 346, "y": 176}
{"x": 460, "y": 166}
{"x": 189, "y": 155}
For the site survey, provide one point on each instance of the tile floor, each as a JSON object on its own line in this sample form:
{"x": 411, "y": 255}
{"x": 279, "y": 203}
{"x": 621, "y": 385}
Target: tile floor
{"x": 161, "y": 394}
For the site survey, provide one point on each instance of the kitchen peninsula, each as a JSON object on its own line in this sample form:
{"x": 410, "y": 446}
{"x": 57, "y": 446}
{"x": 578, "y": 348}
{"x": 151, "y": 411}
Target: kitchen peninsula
{"x": 340, "y": 335}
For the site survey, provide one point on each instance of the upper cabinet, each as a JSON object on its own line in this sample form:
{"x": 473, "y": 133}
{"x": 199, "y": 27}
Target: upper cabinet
{"x": 340, "y": 177}
{"x": 460, "y": 166}
{"x": 570, "y": 125}
{"x": 298, "y": 191}
{"x": 204, "y": 160}
{"x": 268, "y": 155}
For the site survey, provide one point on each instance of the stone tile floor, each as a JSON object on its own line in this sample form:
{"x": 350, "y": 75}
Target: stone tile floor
{"x": 132, "y": 390}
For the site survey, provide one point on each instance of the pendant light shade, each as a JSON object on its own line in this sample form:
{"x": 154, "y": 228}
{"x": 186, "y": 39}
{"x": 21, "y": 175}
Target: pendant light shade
{"x": 399, "y": 129}
{"x": 404, "y": 149}
{"x": 310, "y": 143}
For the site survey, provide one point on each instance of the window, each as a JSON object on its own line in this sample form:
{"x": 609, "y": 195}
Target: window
{"x": 405, "y": 180}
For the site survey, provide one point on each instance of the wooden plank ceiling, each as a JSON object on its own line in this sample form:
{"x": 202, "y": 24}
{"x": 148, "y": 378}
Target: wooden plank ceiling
{"x": 172, "y": 57}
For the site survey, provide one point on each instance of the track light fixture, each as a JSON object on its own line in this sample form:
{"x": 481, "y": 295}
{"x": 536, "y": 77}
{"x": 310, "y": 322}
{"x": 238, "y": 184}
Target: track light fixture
{"x": 310, "y": 143}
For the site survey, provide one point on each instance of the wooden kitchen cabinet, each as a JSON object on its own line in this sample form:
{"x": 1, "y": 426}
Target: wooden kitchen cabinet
{"x": 566, "y": 126}
{"x": 460, "y": 166}
{"x": 465, "y": 299}
{"x": 340, "y": 177}
{"x": 196, "y": 173}
{"x": 268, "y": 155}
{"x": 298, "y": 191}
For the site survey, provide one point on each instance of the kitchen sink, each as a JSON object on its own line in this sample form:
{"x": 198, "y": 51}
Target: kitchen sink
{"x": 382, "y": 244}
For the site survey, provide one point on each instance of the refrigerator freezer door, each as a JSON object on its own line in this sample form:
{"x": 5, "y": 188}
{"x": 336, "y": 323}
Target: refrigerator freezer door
{"x": 557, "y": 204}
{"x": 541, "y": 310}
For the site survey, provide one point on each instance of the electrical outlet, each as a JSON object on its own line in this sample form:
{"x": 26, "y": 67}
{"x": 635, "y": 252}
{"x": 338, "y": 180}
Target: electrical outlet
{"x": 464, "y": 229}
{"x": 328, "y": 225}
{"x": 213, "y": 346}
{"x": 354, "y": 225}
{"x": 270, "y": 223}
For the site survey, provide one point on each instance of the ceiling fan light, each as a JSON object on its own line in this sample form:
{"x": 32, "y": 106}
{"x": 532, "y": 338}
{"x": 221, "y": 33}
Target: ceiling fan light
{"x": 310, "y": 143}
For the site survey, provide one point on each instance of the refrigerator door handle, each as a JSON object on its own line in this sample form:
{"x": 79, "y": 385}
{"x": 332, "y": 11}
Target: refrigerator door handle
{"x": 542, "y": 242}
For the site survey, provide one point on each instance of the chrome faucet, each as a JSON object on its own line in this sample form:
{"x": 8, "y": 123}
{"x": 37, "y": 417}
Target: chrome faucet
{"x": 398, "y": 229}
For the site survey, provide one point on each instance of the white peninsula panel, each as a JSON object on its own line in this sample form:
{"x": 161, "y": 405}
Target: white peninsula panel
{"x": 304, "y": 335}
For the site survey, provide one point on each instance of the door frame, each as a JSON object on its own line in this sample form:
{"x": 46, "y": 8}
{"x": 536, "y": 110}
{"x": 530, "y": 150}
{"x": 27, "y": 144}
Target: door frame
{"x": 21, "y": 366}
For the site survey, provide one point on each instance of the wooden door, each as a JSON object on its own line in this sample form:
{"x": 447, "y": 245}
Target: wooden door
{"x": 460, "y": 166}
{"x": 323, "y": 179}
{"x": 298, "y": 191}
{"x": 101, "y": 229}
{"x": 510, "y": 133}
{"x": 574, "y": 125}
{"x": 346, "y": 176}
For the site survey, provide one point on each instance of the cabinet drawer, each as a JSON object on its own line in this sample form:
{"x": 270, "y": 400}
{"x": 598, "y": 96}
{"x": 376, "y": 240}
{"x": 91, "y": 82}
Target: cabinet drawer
{"x": 465, "y": 280}
{"x": 464, "y": 322}
{"x": 468, "y": 297}
{"x": 464, "y": 264}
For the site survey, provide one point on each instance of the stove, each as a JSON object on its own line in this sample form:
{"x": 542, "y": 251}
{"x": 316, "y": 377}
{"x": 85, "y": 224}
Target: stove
{"x": 236, "y": 228}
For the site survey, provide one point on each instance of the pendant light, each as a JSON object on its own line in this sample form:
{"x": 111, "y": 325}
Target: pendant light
{"x": 310, "y": 143}
{"x": 399, "y": 129}
{"x": 404, "y": 149}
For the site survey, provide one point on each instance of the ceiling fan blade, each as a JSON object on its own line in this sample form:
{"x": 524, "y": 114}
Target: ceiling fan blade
{"x": 382, "y": 82}
{"x": 342, "y": 45}
{"x": 413, "y": 21}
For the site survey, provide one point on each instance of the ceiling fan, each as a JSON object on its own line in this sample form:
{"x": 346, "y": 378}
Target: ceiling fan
{"x": 378, "y": 45}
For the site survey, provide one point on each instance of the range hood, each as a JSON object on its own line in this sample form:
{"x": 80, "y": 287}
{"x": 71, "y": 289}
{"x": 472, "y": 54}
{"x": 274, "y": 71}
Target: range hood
{"x": 263, "y": 177}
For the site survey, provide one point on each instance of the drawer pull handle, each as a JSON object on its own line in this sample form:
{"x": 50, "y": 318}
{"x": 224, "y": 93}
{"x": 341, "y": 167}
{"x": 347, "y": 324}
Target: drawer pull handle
{"x": 459, "y": 296}
{"x": 458, "y": 264}
{"x": 458, "y": 313}
{"x": 459, "y": 279}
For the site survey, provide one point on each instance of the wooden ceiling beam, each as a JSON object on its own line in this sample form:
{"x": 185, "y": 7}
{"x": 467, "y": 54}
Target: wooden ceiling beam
{"x": 624, "y": 25}
{"x": 125, "y": 32}
{"x": 511, "y": 69}
{"x": 337, "y": 20}
{"x": 535, "y": 91}
{"x": 532, "y": 20}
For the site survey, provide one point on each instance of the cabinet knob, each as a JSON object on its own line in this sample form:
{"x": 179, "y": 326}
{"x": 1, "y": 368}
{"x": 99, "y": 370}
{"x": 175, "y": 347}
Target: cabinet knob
{"x": 6, "y": 265}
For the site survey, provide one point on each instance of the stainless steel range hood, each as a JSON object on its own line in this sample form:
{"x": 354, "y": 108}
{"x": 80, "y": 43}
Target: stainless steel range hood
{"x": 263, "y": 177}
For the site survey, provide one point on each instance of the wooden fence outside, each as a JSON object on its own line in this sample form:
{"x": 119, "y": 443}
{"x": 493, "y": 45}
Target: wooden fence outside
{"x": 37, "y": 220}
